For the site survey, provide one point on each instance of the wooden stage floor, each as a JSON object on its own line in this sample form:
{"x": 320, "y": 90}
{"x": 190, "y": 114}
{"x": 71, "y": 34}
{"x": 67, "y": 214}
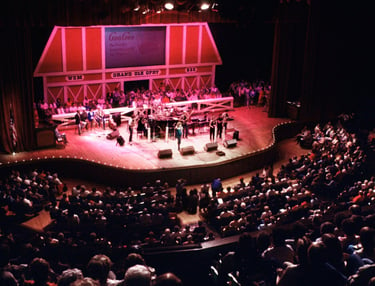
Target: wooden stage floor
{"x": 255, "y": 133}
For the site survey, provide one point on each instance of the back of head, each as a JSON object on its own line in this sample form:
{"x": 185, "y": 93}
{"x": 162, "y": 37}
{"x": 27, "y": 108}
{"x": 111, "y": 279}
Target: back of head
{"x": 228, "y": 263}
{"x": 247, "y": 246}
{"x": 278, "y": 236}
{"x": 98, "y": 268}
{"x": 39, "y": 270}
{"x": 367, "y": 237}
{"x": 333, "y": 246}
{"x": 327, "y": 227}
{"x": 137, "y": 275}
{"x": 358, "y": 221}
{"x": 301, "y": 249}
{"x": 355, "y": 209}
{"x": 316, "y": 254}
{"x": 69, "y": 276}
{"x": 263, "y": 241}
{"x": 370, "y": 220}
{"x": 371, "y": 282}
{"x": 167, "y": 279}
{"x": 348, "y": 226}
{"x": 4, "y": 255}
{"x": 87, "y": 281}
{"x": 133, "y": 259}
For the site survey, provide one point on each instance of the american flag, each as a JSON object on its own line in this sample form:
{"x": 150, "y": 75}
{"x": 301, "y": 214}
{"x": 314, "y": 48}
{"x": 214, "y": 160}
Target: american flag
{"x": 13, "y": 130}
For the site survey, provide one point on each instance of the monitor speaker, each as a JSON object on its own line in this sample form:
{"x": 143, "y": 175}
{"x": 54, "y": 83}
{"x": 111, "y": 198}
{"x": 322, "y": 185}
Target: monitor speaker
{"x": 230, "y": 143}
{"x": 210, "y": 147}
{"x": 189, "y": 150}
{"x": 166, "y": 153}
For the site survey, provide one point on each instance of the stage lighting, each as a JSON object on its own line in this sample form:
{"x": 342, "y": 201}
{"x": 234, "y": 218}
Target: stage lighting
{"x": 169, "y": 5}
{"x": 214, "y": 7}
{"x": 137, "y": 7}
{"x": 205, "y": 5}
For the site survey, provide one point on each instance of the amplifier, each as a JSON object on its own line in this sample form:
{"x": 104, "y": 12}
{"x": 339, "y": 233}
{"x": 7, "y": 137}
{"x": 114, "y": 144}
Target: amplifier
{"x": 210, "y": 147}
{"x": 166, "y": 153}
{"x": 230, "y": 143}
{"x": 189, "y": 150}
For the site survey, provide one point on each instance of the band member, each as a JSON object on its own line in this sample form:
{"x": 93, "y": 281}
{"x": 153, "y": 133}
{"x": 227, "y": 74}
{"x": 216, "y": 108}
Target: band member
{"x": 140, "y": 125}
{"x": 60, "y": 137}
{"x": 90, "y": 118}
{"x": 225, "y": 120}
{"x": 84, "y": 119}
{"x": 184, "y": 121}
{"x": 77, "y": 118}
{"x": 99, "y": 117}
{"x": 219, "y": 125}
{"x": 131, "y": 124}
{"x": 145, "y": 124}
{"x": 80, "y": 120}
{"x": 212, "y": 126}
{"x": 178, "y": 133}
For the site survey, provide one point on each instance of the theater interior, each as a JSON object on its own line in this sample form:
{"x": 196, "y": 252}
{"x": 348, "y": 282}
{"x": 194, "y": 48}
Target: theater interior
{"x": 270, "y": 182}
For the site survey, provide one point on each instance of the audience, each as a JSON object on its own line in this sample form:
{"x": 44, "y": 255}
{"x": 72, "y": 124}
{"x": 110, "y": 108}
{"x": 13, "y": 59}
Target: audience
{"x": 310, "y": 223}
{"x": 137, "y": 275}
{"x": 6, "y": 277}
{"x": 69, "y": 276}
{"x": 118, "y": 98}
{"x": 167, "y": 279}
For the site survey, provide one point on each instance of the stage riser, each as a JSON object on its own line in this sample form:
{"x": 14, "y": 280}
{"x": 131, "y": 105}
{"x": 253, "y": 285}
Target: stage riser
{"x": 81, "y": 169}
{"x": 113, "y": 176}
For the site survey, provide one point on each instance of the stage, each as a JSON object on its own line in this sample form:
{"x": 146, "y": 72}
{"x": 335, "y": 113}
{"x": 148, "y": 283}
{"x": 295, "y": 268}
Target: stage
{"x": 92, "y": 156}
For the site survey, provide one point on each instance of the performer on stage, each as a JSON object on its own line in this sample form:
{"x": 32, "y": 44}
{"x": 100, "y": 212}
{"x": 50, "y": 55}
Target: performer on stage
{"x": 131, "y": 124}
{"x": 99, "y": 117}
{"x": 142, "y": 124}
{"x": 77, "y": 118}
{"x": 225, "y": 117}
{"x": 219, "y": 125}
{"x": 212, "y": 126}
{"x": 184, "y": 120}
{"x": 90, "y": 118}
{"x": 178, "y": 133}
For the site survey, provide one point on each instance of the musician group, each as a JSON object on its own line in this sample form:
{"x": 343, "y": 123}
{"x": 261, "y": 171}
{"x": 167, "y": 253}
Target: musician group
{"x": 180, "y": 122}
{"x": 158, "y": 122}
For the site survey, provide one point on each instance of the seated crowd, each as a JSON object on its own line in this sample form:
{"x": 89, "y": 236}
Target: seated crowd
{"x": 304, "y": 183}
{"x": 312, "y": 223}
{"x": 135, "y": 98}
{"x": 332, "y": 245}
{"x": 248, "y": 93}
{"x": 25, "y": 195}
{"x": 245, "y": 93}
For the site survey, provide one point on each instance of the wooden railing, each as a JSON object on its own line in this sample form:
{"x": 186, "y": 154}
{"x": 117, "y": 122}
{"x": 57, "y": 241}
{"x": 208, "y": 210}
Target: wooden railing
{"x": 198, "y": 106}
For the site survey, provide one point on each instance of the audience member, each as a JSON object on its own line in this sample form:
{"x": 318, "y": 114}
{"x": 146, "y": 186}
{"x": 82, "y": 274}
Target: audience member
{"x": 137, "y": 275}
{"x": 167, "y": 279}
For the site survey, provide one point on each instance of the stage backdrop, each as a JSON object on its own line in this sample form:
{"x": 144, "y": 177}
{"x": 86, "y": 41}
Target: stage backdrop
{"x": 80, "y": 62}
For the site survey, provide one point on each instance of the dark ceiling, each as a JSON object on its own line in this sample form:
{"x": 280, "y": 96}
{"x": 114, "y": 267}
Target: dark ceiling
{"x": 86, "y": 12}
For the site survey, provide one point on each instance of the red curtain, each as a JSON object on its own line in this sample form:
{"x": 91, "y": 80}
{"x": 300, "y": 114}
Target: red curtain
{"x": 288, "y": 56}
{"x": 16, "y": 87}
